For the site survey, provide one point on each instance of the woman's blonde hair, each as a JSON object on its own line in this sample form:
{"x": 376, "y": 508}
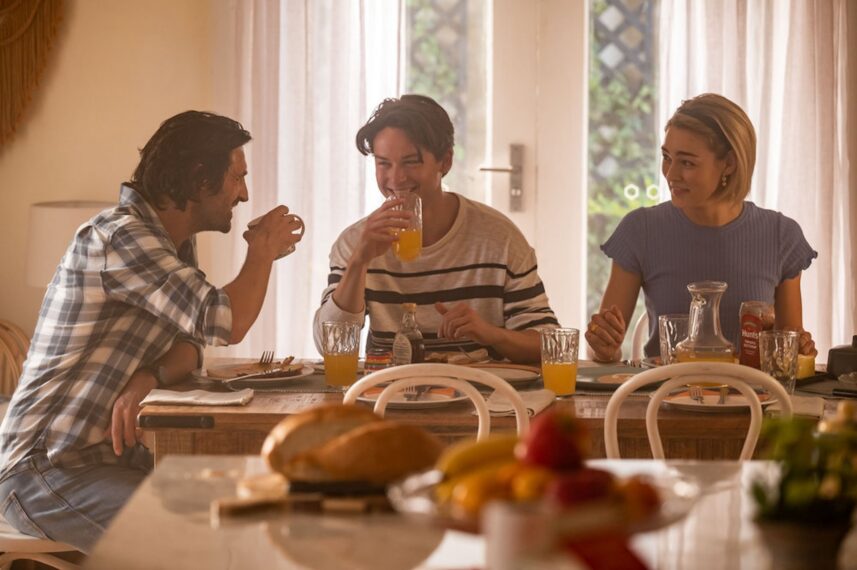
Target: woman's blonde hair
{"x": 726, "y": 127}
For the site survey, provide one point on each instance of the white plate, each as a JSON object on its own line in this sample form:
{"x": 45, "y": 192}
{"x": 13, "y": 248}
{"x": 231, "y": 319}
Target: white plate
{"x": 514, "y": 376}
{"x": 678, "y": 494}
{"x": 433, "y": 398}
{"x": 734, "y": 402}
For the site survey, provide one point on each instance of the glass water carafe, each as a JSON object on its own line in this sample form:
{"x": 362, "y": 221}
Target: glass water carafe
{"x": 705, "y": 341}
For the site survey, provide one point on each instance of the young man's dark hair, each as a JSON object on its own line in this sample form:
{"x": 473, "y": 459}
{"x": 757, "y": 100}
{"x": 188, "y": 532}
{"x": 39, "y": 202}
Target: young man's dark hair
{"x": 187, "y": 153}
{"x": 424, "y": 121}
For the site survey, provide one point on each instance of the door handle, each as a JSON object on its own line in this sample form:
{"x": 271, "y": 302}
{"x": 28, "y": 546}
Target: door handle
{"x": 516, "y": 176}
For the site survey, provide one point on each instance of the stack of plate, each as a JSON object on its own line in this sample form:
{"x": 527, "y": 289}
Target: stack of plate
{"x": 14, "y": 345}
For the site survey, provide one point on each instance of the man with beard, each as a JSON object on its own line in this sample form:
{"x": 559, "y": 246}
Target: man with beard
{"x": 127, "y": 311}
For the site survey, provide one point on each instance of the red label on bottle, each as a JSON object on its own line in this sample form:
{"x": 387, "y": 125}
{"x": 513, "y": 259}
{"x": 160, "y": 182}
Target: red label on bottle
{"x": 751, "y": 325}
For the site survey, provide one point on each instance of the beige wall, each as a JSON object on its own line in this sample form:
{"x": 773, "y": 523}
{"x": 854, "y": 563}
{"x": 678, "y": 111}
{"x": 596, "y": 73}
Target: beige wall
{"x": 119, "y": 68}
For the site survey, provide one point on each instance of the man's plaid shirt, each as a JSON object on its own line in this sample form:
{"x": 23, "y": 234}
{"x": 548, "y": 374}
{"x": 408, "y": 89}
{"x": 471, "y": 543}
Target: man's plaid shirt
{"x": 120, "y": 297}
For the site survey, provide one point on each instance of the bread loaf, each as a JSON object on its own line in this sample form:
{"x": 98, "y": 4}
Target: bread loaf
{"x": 348, "y": 443}
{"x": 305, "y": 432}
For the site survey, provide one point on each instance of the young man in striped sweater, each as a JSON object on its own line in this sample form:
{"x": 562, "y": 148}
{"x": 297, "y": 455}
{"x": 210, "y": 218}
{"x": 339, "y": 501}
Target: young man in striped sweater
{"x": 476, "y": 282}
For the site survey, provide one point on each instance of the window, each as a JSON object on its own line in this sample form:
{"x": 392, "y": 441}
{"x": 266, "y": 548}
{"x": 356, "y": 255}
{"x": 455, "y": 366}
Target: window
{"x": 445, "y": 59}
{"x": 623, "y": 136}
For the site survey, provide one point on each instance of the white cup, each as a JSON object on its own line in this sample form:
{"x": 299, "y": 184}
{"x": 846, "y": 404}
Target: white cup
{"x": 291, "y": 249}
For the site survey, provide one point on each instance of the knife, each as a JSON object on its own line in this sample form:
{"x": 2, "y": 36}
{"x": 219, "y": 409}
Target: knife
{"x": 843, "y": 393}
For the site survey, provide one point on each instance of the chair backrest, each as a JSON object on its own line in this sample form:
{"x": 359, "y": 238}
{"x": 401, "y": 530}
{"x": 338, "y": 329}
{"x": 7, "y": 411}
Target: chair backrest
{"x": 17, "y": 546}
{"x": 401, "y": 377}
{"x": 639, "y": 336}
{"x": 681, "y": 374}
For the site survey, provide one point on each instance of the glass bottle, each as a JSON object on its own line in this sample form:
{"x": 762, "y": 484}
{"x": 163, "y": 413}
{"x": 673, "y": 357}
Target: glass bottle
{"x": 704, "y": 340}
{"x": 408, "y": 346}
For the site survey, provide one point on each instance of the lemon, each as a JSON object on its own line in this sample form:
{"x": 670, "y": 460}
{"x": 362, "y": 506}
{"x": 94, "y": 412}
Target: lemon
{"x": 805, "y": 366}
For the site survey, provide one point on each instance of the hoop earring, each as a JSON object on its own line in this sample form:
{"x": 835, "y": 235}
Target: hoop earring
{"x": 723, "y": 181}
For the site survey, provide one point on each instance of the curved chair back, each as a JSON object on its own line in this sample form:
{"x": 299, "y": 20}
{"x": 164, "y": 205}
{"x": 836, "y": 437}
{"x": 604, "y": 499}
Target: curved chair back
{"x": 639, "y": 336}
{"x": 16, "y": 545}
{"x": 681, "y": 374}
{"x": 401, "y": 377}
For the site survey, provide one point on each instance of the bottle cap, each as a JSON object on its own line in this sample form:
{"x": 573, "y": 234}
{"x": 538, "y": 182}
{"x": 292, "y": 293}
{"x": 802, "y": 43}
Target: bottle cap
{"x": 409, "y": 307}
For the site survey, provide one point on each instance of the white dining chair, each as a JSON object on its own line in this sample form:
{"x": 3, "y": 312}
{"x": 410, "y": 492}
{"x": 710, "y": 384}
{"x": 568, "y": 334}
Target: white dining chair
{"x": 16, "y": 545}
{"x": 678, "y": 375}
{"x": 451, "y": 375}
{"x": 639, "y": 336}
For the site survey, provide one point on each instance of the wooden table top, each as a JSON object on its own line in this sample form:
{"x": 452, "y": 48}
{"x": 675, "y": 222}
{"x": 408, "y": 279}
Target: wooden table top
{"x": 186, "y": 429}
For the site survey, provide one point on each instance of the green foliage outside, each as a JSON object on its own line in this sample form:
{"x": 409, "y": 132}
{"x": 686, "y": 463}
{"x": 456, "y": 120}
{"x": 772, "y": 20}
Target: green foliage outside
{"x": 620, "y": 126}
{"x": 433, "y": 70}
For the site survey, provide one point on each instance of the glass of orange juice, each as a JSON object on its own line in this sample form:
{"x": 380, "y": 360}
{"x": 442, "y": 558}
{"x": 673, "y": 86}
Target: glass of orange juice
{"x": 340, "y": 346}
{"x": 559, "y": 360}
{"x": 410, "y": 243}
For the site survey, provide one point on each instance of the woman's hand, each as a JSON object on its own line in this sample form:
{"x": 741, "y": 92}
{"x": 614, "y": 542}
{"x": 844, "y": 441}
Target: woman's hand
{"x": 605, "y": 333}
{"x": 806, "y": 345}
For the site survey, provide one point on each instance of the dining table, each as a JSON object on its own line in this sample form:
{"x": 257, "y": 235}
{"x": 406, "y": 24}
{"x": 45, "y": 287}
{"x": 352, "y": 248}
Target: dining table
{"x": 237, "y": 430}
{"x": 169, "y": 523}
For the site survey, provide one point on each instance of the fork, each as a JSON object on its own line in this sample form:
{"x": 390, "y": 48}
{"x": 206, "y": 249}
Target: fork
{"x": 267, "y": 357}
{"x": 410, "y": 393}
{"x": 696, "y": 394}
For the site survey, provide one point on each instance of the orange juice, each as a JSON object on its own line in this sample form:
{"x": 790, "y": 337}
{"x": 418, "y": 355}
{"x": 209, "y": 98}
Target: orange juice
{"x": 409, "y": 245}
{"x": 560, "y": 377}
{"x": 688, "y": 356}
{"x": 340, "y": 369}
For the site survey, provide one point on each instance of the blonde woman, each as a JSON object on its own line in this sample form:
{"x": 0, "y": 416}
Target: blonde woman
{"x": 707, "y": 231}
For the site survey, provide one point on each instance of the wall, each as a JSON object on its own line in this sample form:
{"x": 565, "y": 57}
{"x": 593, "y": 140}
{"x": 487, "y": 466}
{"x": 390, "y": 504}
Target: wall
{"x": 117, "y": 71}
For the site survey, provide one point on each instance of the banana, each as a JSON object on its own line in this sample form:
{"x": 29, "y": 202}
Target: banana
{"x": 466, "y": 455}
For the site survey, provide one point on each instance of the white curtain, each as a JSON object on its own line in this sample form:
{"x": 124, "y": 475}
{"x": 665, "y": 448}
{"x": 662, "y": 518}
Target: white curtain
{"x": 303, "y": 76}
{"x": 784, "y": 62}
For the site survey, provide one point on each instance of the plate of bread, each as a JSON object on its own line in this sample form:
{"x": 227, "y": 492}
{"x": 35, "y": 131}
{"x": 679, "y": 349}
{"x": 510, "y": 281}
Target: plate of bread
{"x": 424, "y": 397}
{"x": 334, "y": 456}
{"x": 252, "y": 373}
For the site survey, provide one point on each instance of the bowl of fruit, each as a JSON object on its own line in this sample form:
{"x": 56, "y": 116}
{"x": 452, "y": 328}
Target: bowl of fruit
{"x": 546, "y": 471}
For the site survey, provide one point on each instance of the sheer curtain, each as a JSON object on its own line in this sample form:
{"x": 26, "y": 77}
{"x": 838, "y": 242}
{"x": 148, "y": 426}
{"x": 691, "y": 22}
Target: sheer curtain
{"x": 302, "y": 76}
{"x": 784, "y": 62}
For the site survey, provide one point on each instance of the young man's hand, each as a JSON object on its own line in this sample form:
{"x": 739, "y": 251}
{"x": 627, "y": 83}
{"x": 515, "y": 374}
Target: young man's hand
{"x": 123, "y": 430}
{"x": 379, "y": 231}
{"x": 460, "y": 321}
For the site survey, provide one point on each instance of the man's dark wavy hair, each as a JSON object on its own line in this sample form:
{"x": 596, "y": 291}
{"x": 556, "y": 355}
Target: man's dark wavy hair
{"x": 425, "y": 122}
{"x": 188, "y": 153}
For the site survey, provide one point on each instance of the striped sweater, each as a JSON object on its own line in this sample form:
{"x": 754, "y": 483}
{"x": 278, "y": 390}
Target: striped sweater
{"x": 483, "y": 260}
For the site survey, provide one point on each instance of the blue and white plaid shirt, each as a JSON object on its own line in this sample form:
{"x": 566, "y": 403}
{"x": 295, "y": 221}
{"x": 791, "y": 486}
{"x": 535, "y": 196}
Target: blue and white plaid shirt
{"x": 121, "y": 296}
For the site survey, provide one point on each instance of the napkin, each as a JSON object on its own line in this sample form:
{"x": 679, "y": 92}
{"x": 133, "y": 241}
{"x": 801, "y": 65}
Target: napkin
{"x": 809, "y": 406}
{"x": 198, "y": 398}
{"x": 534, "y": 400}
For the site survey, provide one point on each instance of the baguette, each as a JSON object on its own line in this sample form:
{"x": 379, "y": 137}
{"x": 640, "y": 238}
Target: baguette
{"x": 347, "y": 443}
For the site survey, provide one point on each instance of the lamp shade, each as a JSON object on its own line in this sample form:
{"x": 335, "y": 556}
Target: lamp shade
{"x": 51, "y": 229}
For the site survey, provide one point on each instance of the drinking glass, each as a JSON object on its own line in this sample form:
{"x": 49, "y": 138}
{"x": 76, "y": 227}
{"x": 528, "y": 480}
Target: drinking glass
{"x": 289, "y": 250}
{"x": 672, "y": 329}
{"x": 778, "y": 352}
{"x": 410, "y": 243}
{"x": 340, "y": 343}
{"x": 559, "y": 359}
